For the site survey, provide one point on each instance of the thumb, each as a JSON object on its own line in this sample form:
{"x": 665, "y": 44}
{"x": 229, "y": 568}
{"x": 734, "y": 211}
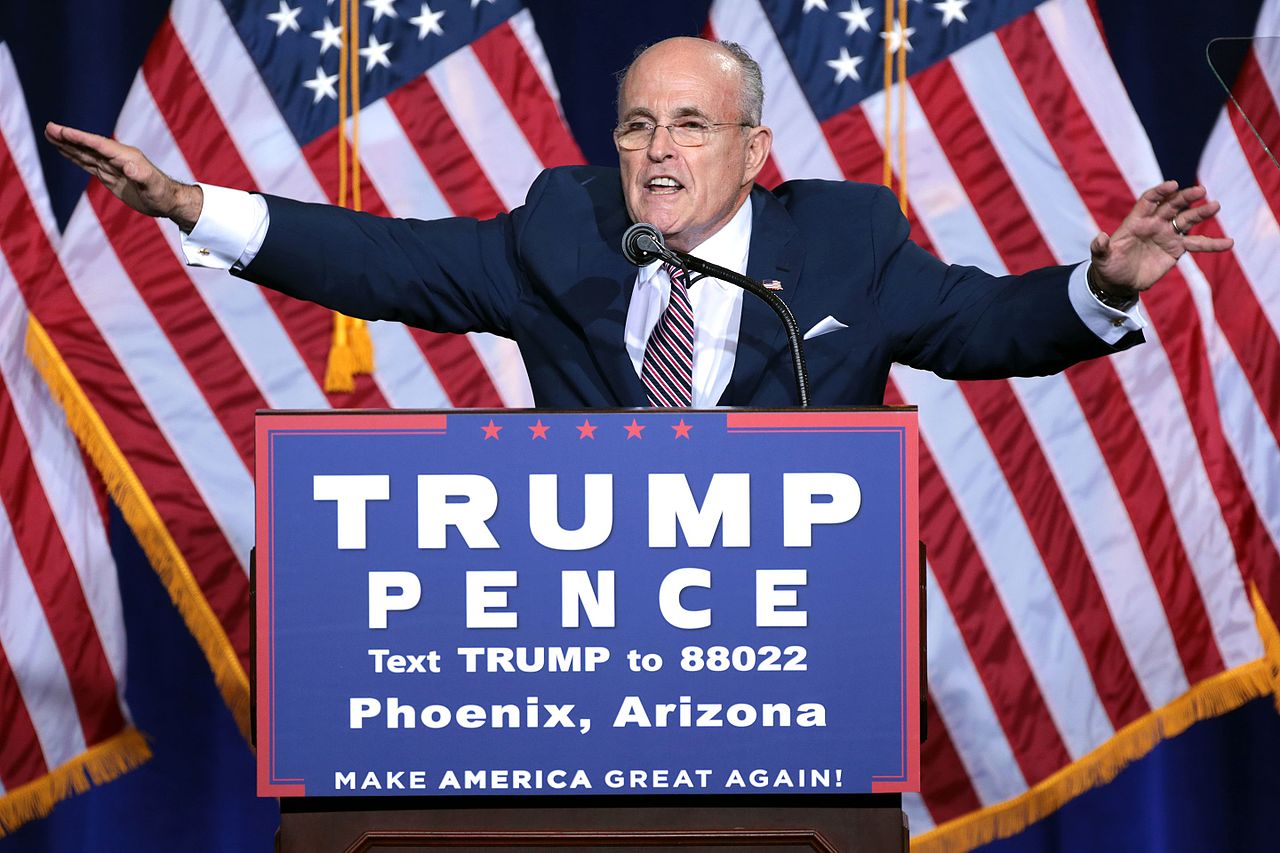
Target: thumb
{"x": 1100, "y": 247}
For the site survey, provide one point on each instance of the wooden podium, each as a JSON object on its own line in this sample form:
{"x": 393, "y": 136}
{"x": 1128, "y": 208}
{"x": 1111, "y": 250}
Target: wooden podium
{"x": 749, "y": 648}
{"x": 871, "y": 823}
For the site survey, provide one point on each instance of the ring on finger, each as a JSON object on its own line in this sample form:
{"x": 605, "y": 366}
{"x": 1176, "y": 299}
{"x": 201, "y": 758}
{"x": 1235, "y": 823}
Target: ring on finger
{"x": 1179, "y": 231}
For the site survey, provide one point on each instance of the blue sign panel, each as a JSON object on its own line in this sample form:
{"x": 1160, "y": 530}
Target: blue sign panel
{"x": 479, "y": 603}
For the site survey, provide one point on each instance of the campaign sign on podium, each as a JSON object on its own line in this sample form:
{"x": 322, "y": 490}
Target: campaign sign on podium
{"x": 565, "y": 603}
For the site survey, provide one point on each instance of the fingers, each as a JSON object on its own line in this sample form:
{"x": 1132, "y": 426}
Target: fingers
{"x": 70, "y": 138}
{"x": 86, "y": 150}
{"x": 1151, "y": 199}
{"x": 1100, "y": 246}
{"x": 1195, "y": 215}
{"x": 1202, "y": 243}
{"x": 1180, "y": 201}
{"x": 83, "y": 159}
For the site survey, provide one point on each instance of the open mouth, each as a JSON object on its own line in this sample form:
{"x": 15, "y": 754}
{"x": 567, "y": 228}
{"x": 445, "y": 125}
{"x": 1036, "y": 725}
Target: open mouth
{"x": 663, "y": 186}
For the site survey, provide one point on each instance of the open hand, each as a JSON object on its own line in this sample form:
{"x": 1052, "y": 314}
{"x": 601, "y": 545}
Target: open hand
{"x": 1151, "y": 239}
{"x": 129, "y": 175}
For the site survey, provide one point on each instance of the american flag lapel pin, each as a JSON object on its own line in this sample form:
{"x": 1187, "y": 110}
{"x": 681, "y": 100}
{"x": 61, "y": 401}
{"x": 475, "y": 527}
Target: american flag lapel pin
{"x": 772, "y": 284}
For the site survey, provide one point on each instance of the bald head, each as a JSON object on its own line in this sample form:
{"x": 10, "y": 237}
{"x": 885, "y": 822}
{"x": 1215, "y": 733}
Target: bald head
{"x": 720, "y": 63}
{"x": 689, "y": 137}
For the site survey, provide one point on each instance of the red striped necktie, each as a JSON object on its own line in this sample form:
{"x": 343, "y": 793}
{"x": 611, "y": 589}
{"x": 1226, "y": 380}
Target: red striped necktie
{"x": 667, "y": 371}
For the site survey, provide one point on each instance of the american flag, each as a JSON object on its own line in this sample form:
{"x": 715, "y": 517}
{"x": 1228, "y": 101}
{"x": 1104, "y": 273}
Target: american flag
{"x": 460, "y": 114}
{"x": 63, "y": 718}
{"x": 1093, "y": 537}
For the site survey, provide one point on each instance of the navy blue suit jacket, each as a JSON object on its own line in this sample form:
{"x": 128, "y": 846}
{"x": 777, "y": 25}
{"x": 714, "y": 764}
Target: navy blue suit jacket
{"x": 550, "y": 274}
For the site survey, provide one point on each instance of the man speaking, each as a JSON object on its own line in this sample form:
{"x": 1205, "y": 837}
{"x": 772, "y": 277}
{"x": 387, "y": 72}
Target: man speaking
{"x": 594, "y": 331}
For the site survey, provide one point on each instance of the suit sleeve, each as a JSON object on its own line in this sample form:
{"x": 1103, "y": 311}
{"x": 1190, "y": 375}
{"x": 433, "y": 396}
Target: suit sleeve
{"x": 962, "y": 323}
{"x": 447, "y": 275}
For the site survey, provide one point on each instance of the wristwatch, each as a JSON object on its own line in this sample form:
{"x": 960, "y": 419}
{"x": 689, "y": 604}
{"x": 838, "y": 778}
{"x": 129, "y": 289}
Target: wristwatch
{"x": 1108, "y": 299}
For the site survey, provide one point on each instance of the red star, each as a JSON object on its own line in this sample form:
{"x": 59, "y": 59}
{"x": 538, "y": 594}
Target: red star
{"x": 491, "y": 430}
{"x": 633, "y": 430}
{"x": 587, "y": 430}
{"x": 539, "y": 431}
{"x": 682, "y": 429}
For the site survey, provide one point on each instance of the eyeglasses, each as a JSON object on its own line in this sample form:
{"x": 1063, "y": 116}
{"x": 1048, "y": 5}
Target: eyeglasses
{"x": 687, "y": 133}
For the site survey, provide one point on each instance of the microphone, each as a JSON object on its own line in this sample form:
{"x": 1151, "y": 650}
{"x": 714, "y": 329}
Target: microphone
{"x": 642, "y": 244}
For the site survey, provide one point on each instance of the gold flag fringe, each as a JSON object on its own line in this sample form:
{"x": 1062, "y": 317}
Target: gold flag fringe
{"x": 100, "y": 763}
{"x": 141, "y": 515}
{"x": 1211, "y": 697}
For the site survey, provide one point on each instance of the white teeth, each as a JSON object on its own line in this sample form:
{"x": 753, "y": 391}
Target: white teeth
{"x": 663, "y": 182}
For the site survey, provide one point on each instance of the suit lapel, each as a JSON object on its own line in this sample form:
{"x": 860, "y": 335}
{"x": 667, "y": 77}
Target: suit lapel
{"x": 774, "y": 254}
{"x": 599, "y": 305}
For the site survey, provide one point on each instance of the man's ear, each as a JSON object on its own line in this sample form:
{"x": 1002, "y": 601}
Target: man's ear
{"x": 759, "y": 144}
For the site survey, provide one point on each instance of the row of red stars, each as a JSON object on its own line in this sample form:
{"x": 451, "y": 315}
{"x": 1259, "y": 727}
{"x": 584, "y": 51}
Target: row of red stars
{"x": 585, "y": 430}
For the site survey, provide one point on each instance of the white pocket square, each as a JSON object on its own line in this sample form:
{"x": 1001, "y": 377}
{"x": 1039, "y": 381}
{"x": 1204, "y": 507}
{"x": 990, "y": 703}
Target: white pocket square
{"x": 826, "y": 324}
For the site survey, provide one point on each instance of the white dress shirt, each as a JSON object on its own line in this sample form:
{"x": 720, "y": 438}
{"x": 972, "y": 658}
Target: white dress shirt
{"x": 717, "y": 309}
{"x": 233, "y": 225}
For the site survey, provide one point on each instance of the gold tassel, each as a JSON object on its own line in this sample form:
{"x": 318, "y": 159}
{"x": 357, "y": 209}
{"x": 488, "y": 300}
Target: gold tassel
{"x": 902, "y": 107}
{"x": 1211, "y": 697}
{"x": 351, "y": 348}
{"x": 339, "y": 373}
{"x": 1270, "y": 640}
{"x": 344, "y": 51}
{"x": 100, "y": 763}
{"x": 361, "y": 346}
{"x": 140, "y": 514}
{"x": 898, "y": 56}
{"x": 886, "y": 144}
{"x": 354, "y": 81}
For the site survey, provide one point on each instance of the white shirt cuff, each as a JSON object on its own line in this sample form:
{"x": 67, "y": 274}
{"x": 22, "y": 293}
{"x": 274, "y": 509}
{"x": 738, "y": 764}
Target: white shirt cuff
{"x": 230, "y": 231}
{"x": 1110, "y": 324}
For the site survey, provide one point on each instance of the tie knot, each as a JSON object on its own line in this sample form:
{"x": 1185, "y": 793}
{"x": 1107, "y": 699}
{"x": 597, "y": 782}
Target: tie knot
{"x": 676, "y": 274}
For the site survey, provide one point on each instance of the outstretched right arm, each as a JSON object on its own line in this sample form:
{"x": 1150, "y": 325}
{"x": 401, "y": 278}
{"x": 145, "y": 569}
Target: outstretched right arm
{"x": 129, "y": 175}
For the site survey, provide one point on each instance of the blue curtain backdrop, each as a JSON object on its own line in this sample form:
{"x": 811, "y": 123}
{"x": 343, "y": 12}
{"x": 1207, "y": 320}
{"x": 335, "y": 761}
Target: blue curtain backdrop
{"x": 1211, "y": 788}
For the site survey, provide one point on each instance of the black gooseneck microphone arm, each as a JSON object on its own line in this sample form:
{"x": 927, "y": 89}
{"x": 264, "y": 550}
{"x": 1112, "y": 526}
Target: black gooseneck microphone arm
{"x": 642, "y": 244}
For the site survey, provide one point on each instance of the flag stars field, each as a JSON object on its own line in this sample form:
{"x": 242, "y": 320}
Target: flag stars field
{"x": 322, "y": 85}
{"x": 381, "y": 8}
{"x": 375, "y": 54}
{"x": 858, "y": 18}
{"x": 329, "y": 35}
{"x": 428, "y": 22}
{"x": 846, "y": 66}
{"x": 285, "y": 18}
{"x": 898, "y": 37}
{"x": 952, "y": 10}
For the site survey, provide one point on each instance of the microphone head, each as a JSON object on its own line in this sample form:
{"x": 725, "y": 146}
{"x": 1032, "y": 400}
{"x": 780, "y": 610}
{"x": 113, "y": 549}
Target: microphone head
{"x": 642, "y": 244}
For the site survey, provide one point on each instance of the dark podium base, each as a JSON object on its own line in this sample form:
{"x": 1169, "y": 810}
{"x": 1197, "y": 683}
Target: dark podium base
{"x": 865, "y": 823}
